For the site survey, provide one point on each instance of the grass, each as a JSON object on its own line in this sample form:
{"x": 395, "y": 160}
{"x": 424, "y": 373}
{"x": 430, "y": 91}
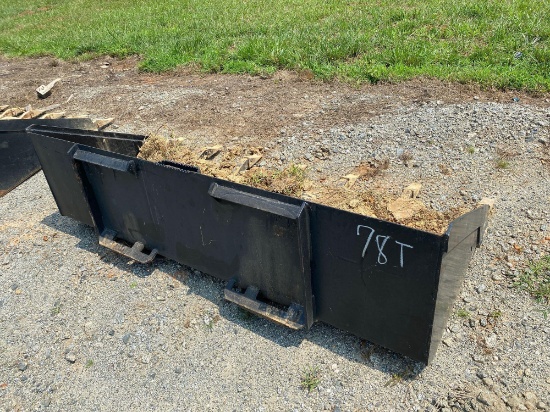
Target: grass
{"x": 399, "y": 377}
{"x": 496, "y": 43}
{"x": 462, "y": 313}
{"x": 502, "y": 164}
{"x": 536, "y": 280}
{"x": 311, "y": 378}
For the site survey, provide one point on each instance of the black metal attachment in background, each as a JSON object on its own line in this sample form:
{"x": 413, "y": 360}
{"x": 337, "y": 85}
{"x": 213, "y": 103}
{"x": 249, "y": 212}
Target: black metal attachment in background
{"x": 18, "y": 161}
{"x": 291, "y": 261}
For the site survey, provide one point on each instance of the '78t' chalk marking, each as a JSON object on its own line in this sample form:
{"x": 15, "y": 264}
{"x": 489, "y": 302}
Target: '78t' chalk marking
{"x": 381, "y": 241}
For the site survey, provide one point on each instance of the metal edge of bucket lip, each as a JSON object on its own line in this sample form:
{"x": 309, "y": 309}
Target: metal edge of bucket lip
{"x": 65, "y": 131}
{"x": 482, "y": 214}
{"x": 482, "y": 220}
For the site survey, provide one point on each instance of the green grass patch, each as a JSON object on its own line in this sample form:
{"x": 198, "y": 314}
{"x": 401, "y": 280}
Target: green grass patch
{"x": 496, "y": 43}
{"x": 463, "y": 313}
{"x": 536, "y": 280}
{"x": 311, "y": 378}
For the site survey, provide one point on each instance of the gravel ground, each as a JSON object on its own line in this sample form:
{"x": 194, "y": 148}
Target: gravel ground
{"x": 81, "y": 328}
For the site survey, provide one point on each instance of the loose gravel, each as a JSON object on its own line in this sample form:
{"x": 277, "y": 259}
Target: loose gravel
{"x": 82, "y": 328}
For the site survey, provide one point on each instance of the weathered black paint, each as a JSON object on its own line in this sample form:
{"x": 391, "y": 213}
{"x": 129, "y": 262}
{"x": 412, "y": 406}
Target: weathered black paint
{"x": 384, "y": 282}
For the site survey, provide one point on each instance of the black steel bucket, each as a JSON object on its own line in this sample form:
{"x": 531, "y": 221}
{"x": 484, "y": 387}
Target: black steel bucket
{"x": 18, "y": 161}
{"x": 292, "y": 261}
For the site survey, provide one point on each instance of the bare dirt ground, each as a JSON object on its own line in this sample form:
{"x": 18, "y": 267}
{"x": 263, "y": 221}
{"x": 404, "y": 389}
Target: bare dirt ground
{"x": 80, "y": 328}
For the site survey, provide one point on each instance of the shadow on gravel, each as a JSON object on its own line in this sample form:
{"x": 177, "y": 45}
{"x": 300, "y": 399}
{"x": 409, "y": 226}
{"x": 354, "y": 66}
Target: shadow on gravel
{"x": 398, "y": 368}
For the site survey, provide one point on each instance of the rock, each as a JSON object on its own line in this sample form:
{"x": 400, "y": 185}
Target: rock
{"x": 488, "y": 381}
{"x": 209, "y": 153}
{"x": 46, "y": 402}
{"x": 483, "y": 322}
{"x": 447, "y": 342}
{"x": 541, "y": 405}
{"x": 481, "y": 288}
{"x": 411, "y": 191}
{"x": 103, "y": 123}
{"x": 178, "y": 370}
{"x": 514, "y": 402}
{"x": 497, "y": 277}
{"x": 70, "y": 357}
{"x": 126, "y": 338}
{"x": 528, "y": 372}
{"x": 485, "y": 398}
{"x": 531, "y": 397}
{"x": 44, "y": 91}
{"x": 111, "y": 332}
{"x": 22, "y": 366}
{"x": 402, "y": 209}
{"x": 491, "y": 340}
{"x": 488, "y": 202}
{"x": 354, "y": 203}
{"x": 530, "y": 405}
{"x": 351, "y": 179}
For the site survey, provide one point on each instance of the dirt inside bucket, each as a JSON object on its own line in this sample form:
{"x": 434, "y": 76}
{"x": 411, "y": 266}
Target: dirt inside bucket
{"x": 240, "y": 164}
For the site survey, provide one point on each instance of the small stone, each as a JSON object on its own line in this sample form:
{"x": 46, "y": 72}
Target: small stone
{"x": 111, "y": 332}
{"x": 543, "y": 140}
{"x": 486, "y": 201}
{"x": 472, "y": 323}
{"x": 481, "y": 288}
{"x": 46, "y": 402}
{"x": 22, "y": 366}
{"x": 488, "y": 381}
{"x": 70, "y": 357}
{"x": 447, "y": 342}
{"x": 161, "y": 298}
{"x": 178, "y": 370}
{"x": 491, "y": 340}
{"x": 483, "y": 322}
{"x": 354, "y": 203}
{"x": 541, "y": 405}
{"x": 412, "y": 191}
{"x": 530, "y": 405}
{"x": 484, "y": 399}
{"x": 528, "y": 372}
{"x": 531, "y": 397}
{"x": 497, "y": 277}
{"x": 126, "y": 338}
{"x": 514, "y": 402}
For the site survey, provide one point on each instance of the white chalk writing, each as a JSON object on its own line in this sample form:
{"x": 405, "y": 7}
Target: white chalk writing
{"x": 381, "y": 241}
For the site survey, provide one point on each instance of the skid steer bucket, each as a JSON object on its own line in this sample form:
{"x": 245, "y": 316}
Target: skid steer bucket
{"x": 18, "y": 161}
{"x": 289, "y": 260}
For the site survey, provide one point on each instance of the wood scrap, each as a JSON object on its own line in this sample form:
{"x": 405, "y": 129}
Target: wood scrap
{"x": 44, "y": 91}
